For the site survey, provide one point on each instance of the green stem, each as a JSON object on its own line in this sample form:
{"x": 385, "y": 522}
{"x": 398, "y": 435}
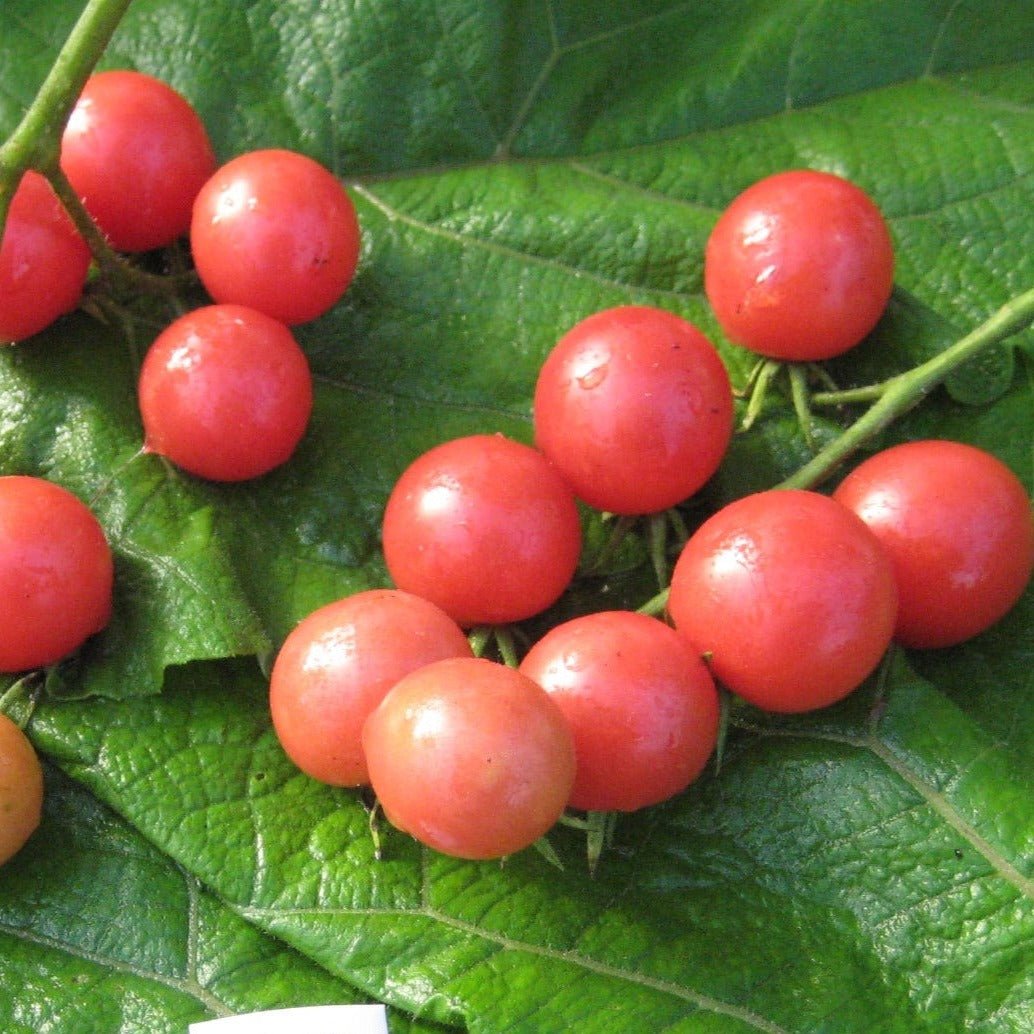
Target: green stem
{"x": 479, "y": 639}
{"x": 752, "y": 378}
{"x": 901, "y": 393}
{"x": 36, "y": 141}
{"x": 657, "y": 534}
{"x": 678, "y": 526}
{"x": 801, "y": 401}
{"x": 506, "y": 646}
{"x": 656, "y": 605}
{"x": 766, "y": 372}
{"x": 618, "y": 534}
{"x": 849, "y": 396}
{"x": 116, "y": 269}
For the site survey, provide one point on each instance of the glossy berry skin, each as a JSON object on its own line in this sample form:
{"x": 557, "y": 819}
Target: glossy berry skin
{"x": 789, "y": 596}
{"x": 225, "y": 393}
{"x": 800, "y": 266}
{"x": 21, "y": 789}
{"x": 641, "y": 704}
{"x": 957, "y": 525}
{"x": 43, "y": 261}
{"x": 336, "y": 666}
{"x": 485, "y": 527}
{"x": 470, "y": 757}
{"x": 137, "y": 153}
{"x": 275, "y": 230}
{"x": 634, "y": 407}
{"x": 56, "y": 573}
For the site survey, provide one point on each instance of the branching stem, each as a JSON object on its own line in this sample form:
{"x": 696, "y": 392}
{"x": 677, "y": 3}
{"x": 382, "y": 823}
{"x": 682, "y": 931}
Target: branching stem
{"x": 761, "y": 378}
{"x": 112, "y": 265}
{"x": 896, "y": 396}
{"x": 36, "y": 141}
{"x": 36, "y": 144}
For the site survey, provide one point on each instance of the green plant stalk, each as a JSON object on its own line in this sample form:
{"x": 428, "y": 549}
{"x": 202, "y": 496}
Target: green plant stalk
{"x": 618, "y": 533}
{"x": 112, "y": 265}
{"x": 849, "y": 396}
{"x": 899, "y": 394}
{"x": 761, "y": 377}
{"x": 657, "y": 535}
{"x": 801, "y": 401}
{"x": 656, "y": 605}
{"x": 36, "y": 141}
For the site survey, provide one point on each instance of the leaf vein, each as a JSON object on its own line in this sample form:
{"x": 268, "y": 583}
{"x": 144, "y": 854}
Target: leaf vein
{"x": 393, "y": 214}
{"x": 634, "y": 188}
{"x": 938, "y": 39}
{"x": 185, "y": 986}
{"x": 702, "y": 1001}
{"x": 934, "y": 799}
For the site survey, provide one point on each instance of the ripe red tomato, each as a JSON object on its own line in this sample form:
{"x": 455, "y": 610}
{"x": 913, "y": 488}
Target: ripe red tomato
{"x": 789, "y": 595}
{"x": 337, "y": 664}
{"x": 21, "y": 789}
{"x": 641, "y": 705}
{"x": 800, "y": 266}
{"x": 957, "y": 525}
{"x": 275, "y": 230}
{"x": 225, "y": 393}
{"x": 137, "y": 153}
{"x": 43, "y": 261}
{"x": 470, "y": 757}
{"x": 56, "y": 573}
{"x": 634, "y": 407}
{"x": 485, "y": 527}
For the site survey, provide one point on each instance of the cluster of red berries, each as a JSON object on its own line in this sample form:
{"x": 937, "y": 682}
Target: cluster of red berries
{"x": 788, "y": 598}
{"x": 225, "y": 391}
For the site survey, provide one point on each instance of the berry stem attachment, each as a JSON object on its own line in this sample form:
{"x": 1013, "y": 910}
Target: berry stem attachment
{"x": 113, "y": 267}
{"x": 480, "y": 638}
{"x": 618, "y": 533}
{"x": 502, "y": 639}
{"x": 507, "y": 647}
{"x": 898, "y": 394}
{"x": 601, "y": 826}
{"x": 801, "y": 401}
{"x": 656, "y": 605}
{"x": 762, "y": 376}
{"x": 657, "y": 535}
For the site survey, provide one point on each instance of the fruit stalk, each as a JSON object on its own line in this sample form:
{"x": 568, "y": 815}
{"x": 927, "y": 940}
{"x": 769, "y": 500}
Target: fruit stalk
{"x": 112, "y": 265}
{"x": 897, "y": 395}
{"x": 36, "y": 141}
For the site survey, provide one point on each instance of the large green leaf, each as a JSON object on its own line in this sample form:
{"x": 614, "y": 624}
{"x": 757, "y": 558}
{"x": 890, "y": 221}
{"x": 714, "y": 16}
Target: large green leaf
{"x": 867, "y": 869}
{"x": 517, "y": 166}
{"x": 100, "y": 931}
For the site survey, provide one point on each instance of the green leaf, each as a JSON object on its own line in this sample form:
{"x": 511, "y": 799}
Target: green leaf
{"x": 516, "y": 167}
{"x": 101, "y": 931}
{"x": 863, "y": 854}
{"x": 178, "y": 596}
